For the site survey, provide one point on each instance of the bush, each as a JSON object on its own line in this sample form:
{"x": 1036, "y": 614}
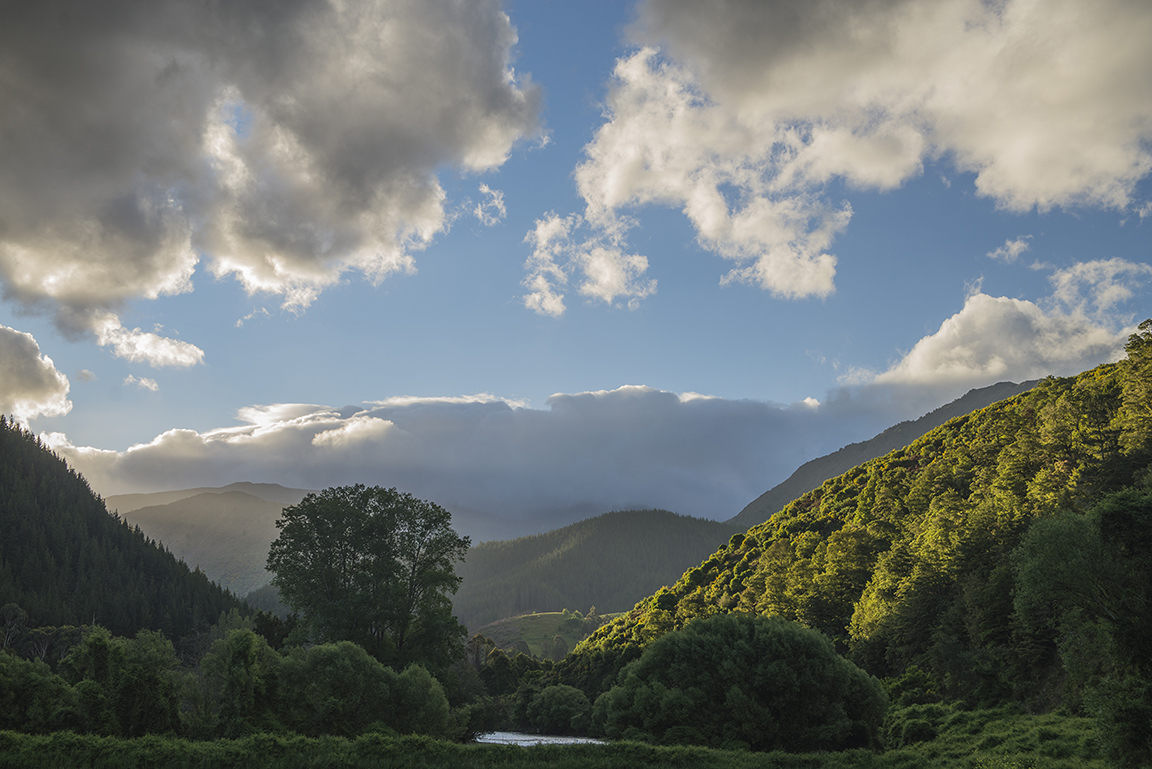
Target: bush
{"x": 33, "y": 698}
{"x": 560, "y": 710}
{"x": 917, "y": 730}
{"x": 744, "y": 681}
{"x": 335, "y": 689}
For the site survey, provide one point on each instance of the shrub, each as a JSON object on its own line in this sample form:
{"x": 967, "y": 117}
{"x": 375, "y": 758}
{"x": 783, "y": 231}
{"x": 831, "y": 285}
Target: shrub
{"x": 560, "y": 710}
{"x": 744, "y": 681}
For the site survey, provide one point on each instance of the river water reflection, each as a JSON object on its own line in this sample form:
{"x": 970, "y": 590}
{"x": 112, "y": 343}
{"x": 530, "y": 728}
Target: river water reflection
{"x": 518, "y": 738}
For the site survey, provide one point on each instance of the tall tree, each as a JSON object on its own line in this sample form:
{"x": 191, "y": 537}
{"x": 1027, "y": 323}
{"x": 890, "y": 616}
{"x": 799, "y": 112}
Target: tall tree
{"x": 373, "y": 566}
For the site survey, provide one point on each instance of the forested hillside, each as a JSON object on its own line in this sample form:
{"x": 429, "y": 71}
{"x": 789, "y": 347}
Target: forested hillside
{"x": 913, "y": 563}
{"x": 610, "y": 562}
{"x": 66, "y": 561}
{"x": 811, "y": 474}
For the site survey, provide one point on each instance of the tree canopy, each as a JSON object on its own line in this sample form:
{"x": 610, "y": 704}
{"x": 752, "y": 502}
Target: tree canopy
{"x": 373, "y": 566}
{"x": 744, "y": 681}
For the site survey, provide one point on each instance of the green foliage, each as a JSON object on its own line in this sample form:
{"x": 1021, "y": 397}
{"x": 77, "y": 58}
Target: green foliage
{"x": 67, "y": 562}
{"x": 1087, "y": 579}
{"x": 560, "y": 710}
{"x": 373, "y": 566}
{"x": 1136, "y": 419}
{"x": 612, "y": 560}
{"x": 128, "y": 687}
{"x": 33, "y": 699}
{"x": 742, "y": 681}
{"x": 421, "y": 706}
{"x": 240, "y": 675}
{"x": 999, "y": 738}
{"x": 335, "y": 688}
{"x": 1021, "y": 747}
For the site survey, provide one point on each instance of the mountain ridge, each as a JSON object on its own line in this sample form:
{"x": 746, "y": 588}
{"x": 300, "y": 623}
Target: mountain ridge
{"x": 269, "y": 492}
{"x": 814, "y": 472}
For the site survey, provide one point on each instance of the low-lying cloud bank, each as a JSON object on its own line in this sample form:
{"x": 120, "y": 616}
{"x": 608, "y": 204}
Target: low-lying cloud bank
{"x": 585, "y": 453}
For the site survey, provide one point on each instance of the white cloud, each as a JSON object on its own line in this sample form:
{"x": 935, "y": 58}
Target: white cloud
{"x": 634, "y": 446}
{"x": 491, "y": 210}
{"x": 86, "y": 376}
{"x": 288, "y": 145}
{"x": 30, "y": 385}
{"x": 609, "y": 273}
{"x": 143, "y": 346}
{"x": 740, "y": 113}
{"x": 546, "y": 276}
{"x": 143, "y": 383}
{"x": 1011, "y": 250}
{"x": 663, "y": 142}
{"x": 261, "y": 312}
{"x": 1001, "y": 339}
{"x": 1095, "y": 288}
{"x": 353, "y": 433}
{"x": 1082, "y": 324}
{"x": 1048, "y": 103}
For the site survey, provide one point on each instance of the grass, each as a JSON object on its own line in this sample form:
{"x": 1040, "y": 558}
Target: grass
{"x": 984, "y": 739}
{"x": 1000, "y": 738}
{"x": 538, "y": 630}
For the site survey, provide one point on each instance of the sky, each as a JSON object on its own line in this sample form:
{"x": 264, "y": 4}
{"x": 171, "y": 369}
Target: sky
{"x": 541, "y": 260}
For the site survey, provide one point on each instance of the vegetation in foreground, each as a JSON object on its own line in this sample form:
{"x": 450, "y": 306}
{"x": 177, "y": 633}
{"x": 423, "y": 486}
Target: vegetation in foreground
{"x": 998, "y": 739}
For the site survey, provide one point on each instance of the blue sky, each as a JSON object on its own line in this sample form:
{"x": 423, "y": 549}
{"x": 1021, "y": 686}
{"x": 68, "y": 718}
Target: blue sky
{"x": 824, "y": 217}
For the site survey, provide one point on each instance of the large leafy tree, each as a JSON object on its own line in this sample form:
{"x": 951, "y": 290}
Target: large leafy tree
{"x": 373, "y": 566}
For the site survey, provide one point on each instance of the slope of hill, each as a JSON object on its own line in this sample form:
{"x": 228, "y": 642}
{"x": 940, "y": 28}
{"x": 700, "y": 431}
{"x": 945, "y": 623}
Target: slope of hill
{"x": 225, "y": 534}
{"x": 65, "y": 560}
{"x": 609, "y": 561}
{"x": 811, "y": 474}
{"x": 907, "y": 560}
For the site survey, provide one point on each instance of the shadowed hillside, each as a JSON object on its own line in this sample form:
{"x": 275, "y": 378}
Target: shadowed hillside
{"x": 609, "y": 562}
{"x": 65, "y": 560}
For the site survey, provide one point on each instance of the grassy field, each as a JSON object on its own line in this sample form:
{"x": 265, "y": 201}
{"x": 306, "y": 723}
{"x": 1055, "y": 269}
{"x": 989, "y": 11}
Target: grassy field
{"x": 538, "y": 630}
{"x": 995, "y": 739}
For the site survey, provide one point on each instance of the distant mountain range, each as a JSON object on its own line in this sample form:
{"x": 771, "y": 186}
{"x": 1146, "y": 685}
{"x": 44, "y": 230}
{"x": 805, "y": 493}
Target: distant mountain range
{"x": 610, "y": 560}
{"x": 225, "y": 533}
{"x": 812, "y": 474}
{"x": 269, "y": 492}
